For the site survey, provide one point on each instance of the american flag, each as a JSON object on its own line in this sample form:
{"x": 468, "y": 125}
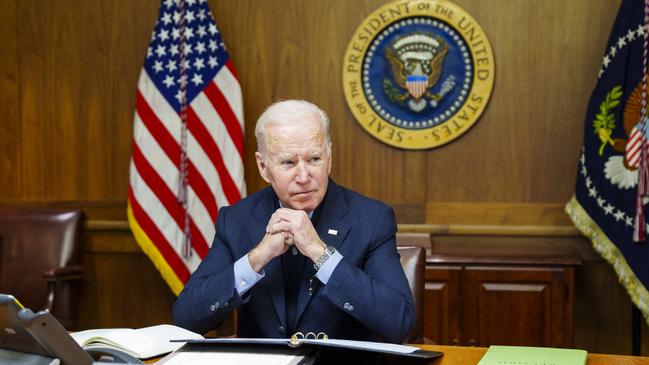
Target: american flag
{"x": 188, "y": 139}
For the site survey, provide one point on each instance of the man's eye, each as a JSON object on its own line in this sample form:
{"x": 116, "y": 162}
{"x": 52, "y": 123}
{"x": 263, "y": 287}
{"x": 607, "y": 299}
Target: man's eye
{"x": 315, "y": 159}
{"x": 288, "y": 163}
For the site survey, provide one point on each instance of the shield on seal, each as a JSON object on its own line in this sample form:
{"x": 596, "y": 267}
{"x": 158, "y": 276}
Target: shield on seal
{"x": 417, "y": 85}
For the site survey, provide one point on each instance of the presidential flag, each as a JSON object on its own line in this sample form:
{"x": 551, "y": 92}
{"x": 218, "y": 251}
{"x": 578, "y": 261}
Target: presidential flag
{"x": 609, "y": 205}
{"x": 188, "y": 138}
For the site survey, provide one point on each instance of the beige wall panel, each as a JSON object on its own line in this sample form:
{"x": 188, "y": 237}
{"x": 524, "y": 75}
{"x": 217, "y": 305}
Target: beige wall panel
{"x": 504, "y": 214}
{"x": 121, "y": 287}
{"x": 79, "y": 63}
{"x": 525, "y": 147}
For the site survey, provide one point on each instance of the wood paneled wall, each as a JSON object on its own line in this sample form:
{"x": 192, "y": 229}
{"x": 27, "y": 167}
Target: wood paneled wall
{"x": 68, "y": 75}
{"x": 69, "y": 71}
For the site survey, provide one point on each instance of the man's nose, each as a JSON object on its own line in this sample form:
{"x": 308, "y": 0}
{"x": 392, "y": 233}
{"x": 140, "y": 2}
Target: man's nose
{"x": 302, "y": 174}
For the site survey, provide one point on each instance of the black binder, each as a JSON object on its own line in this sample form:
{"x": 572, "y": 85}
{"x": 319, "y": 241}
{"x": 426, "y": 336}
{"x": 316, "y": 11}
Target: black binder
{"x": 320, "y": 342}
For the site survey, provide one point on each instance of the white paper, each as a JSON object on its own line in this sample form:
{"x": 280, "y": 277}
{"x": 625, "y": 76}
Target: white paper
{"x": 232, "y": 340}
{"x": 379, "y": 346}
{"x": 239, "y": 358}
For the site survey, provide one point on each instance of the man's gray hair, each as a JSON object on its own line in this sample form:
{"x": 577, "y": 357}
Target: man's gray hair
{"x": 290, "y": 111}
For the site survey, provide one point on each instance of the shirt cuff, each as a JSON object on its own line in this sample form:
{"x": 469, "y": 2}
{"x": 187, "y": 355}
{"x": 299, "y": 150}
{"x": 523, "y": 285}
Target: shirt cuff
{"x": 244, "y": 276}
{"x": 328, "y": 267}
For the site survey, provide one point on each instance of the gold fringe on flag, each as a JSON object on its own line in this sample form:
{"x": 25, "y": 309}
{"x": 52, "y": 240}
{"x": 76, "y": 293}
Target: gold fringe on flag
{"x": 152, "y": 252}
{"x": 609, "y": 251}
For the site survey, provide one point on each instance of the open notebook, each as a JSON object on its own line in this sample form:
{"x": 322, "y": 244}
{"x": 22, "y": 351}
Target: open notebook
{"x": 142, "y": 343}
{"x": 34, "y": 338}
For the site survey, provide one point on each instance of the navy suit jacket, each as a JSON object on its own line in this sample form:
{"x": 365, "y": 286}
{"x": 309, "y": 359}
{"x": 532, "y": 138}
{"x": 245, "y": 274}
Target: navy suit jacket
{"x": 367, "y": 296}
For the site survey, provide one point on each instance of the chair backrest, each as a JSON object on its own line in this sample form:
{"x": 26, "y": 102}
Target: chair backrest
{"x": 413, "y": 261}
{"x": 414, "y": 239}
{"x": 37, "y": 240}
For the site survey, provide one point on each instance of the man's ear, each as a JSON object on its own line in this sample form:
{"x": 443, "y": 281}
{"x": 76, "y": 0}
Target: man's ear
{"x": 330, "y": 160}
{"x": 261, "y": 165}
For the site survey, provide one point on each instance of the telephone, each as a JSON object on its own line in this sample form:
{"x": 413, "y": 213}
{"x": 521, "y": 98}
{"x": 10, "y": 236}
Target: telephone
{"x": 38, "y": 338}
{"x": 105, "y": 354}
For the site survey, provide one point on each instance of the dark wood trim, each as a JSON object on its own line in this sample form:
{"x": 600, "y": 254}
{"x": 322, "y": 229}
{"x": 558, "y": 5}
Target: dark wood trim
{"x": 492, "y": 230}
{"x": 107, "y": 225}
{"x": 434, "y": 229}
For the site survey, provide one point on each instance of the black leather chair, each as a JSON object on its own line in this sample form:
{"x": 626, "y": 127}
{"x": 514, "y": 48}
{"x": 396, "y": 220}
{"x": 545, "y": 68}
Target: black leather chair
{"x": 414, "y": 239}
{"x": 39, "y": 258}
{"x": 413, "y": 261}
{"x": 423, "y": 241}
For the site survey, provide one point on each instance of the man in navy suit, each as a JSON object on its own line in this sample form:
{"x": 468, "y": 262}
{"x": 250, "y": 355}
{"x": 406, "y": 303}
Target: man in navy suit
{"x": 304, "y": 254}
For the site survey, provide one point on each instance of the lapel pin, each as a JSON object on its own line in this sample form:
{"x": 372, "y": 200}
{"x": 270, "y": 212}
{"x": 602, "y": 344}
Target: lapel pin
{"x": 332, "y": 232}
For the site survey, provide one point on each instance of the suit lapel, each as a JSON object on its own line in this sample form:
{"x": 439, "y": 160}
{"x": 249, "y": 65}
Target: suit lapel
{"x": 332, "y": 229}
{"x": 273, "y": 269}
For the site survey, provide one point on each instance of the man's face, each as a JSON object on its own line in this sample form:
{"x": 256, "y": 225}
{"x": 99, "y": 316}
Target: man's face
{"x": 296, "y": 163}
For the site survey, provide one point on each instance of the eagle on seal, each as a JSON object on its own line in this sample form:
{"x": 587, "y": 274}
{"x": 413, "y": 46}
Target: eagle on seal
{"x": 417, "y": 61}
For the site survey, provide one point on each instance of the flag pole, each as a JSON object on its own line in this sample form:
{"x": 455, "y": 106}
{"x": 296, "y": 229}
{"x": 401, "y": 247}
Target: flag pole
{"x": 183, "y": 176}
{"x": 636, "y": 331}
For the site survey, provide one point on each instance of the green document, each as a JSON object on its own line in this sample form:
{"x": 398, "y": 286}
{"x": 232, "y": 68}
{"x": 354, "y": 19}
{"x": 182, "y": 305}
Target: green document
{"x": 519, "y": 355}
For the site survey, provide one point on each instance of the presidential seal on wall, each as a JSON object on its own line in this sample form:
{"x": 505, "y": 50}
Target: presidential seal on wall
{"x": 418, "y": 74}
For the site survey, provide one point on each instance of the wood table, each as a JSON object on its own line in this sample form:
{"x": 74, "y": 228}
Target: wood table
{"x": 461, "y": 355}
